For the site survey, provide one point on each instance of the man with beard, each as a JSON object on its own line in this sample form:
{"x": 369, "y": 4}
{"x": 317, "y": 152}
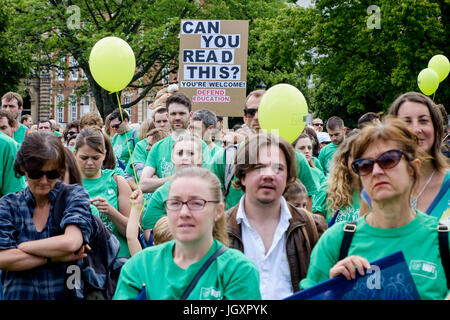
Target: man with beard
{"x": 13, "y": 103}
{"x": 275, "y": 235}
{"x": 159, "y": 167}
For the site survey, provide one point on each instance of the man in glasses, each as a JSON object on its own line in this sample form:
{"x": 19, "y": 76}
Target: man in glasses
{"x": 125, "y": 136}
{"x": 268, "y": 230}
{"x": 336, "y": 131}
{"x": 12, "y": 102}
{"x": 318, "y": 124}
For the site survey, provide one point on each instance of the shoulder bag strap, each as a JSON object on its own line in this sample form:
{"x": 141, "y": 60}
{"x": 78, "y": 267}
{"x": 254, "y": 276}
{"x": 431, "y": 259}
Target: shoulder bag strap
{"x": 202, "y": 270}
{"x": 444, "y": 250}
{"x": 349, "y": 232}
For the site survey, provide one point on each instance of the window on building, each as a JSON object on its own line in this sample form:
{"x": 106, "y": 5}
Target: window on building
{"x": 73, "y": 71}
{"x": 72, "y": 107}
{"x": 60, "y": 71}
{"x": 126, "y": 100}
{"x": 85, "y": 105}
{"x": 59, "y": 105}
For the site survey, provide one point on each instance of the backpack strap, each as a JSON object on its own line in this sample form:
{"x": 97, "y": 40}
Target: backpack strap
{"x": 349, "y": 232}
{"x": 444, "y": 250}
{"x": 202, "y": 270}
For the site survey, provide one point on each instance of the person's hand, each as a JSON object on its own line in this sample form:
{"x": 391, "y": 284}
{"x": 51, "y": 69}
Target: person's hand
{"x": 80, "y": 254}
{"x": 101, "y": 204}
{"x": 348, "y": 267}
{"x": 137, "y": 199}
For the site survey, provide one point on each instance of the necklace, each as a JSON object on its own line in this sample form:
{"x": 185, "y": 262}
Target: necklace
{"x": 414, "y": 199}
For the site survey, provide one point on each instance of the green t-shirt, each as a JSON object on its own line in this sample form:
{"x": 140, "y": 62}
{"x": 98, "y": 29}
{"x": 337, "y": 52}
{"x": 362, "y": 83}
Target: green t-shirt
{"x": 232, "y": 276}
{"x": 318, "y": 177}
{"x": 106, "y": 187}
{"x": 139, "y": 155}
{"x": 155, "y": 209}
{"x": 20, "y": 133}
{"x": 59, "y": 134}
{"x": 119, "y": 143}
{"x": 418, "y": 240}
{"x": 318, "y": 164}
{"x": 160, "y": 157}
{"x": 8, "y": 181}
{"x": 326, "y": 155}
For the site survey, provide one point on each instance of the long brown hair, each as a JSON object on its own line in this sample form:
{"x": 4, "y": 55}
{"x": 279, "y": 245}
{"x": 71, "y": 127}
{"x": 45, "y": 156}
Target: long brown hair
{"x": 438, "y": 159}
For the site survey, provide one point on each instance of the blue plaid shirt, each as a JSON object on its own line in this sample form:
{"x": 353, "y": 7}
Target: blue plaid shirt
{"x": 17, "y": 226}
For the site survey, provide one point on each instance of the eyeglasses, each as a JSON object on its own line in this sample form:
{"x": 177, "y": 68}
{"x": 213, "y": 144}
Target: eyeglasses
{"x": 250, "y": 112}
{"x": 318, "y": 124}
{"x": 193, "y": 204}
{"x": 37, "y": 174}
{"x": 386, "y": 160}
{"x": 70, "y": 133}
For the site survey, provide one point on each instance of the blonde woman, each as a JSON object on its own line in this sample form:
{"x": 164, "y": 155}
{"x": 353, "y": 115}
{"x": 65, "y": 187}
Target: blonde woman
{"x": 195, "y": 212}
{"x": 388, "y": 165}
{"x": 338, "y": 198}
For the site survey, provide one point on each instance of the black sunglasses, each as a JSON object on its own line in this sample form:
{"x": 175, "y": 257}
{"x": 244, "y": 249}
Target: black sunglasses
{"x": 71, "y": 133}
{"x": 37, "y": 174}
{"x": 318, "y": 124}
{"x": 386, "y": 160}
{"x": 116, "y": 126}
{"x": 250, "y": 112}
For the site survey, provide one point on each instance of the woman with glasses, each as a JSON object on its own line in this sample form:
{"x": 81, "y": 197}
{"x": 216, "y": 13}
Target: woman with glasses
{"x": 387, "y": 162}
{"x": 108, "y": 191}
{"x": 432, "y": 190}
{"x": 195, "y": 212}
{"x": 36, "y": 250}
{"x": 186, "y": 152}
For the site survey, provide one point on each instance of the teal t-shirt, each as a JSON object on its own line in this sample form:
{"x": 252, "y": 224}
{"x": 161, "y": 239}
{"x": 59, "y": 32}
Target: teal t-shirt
{"x": 217, "y": 166}
{"x": 139, "y": 155}
{"x": 119, "y": 143}
{"x": 317, "y": 164}
{"x": 20, "y": 133}
{"x": 232, "y": 276}
{"x": 160, "y": 157}
{"x": 106, "y": 187}
{"x": 8, "y": 181}
{"x": 155, "y": 209}
{"x": 326, "y": 155}
{"x": 418, "y": 240}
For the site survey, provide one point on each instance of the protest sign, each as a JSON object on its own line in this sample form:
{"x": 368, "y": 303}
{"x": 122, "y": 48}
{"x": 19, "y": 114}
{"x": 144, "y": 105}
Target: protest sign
{"x": 388, "y": 279}
{"x": 213, "y": 64}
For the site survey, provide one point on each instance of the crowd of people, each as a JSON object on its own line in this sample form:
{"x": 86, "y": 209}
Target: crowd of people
{"x": 193, "y": 210}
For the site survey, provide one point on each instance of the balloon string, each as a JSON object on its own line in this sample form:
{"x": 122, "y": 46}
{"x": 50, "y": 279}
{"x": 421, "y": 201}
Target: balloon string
{"x": 129, "y": 151}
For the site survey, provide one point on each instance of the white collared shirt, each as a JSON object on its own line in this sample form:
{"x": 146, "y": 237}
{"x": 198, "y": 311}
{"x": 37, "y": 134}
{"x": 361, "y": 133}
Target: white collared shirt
{"x": 274, "y": 274}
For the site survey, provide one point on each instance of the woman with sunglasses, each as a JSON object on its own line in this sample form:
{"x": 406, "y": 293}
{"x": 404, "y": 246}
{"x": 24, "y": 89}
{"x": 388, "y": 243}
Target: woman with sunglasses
{"x": 108, "y": 191}
{"x": 34, "y": 256}
{"x": 388, "y": 165}
{"x": 195, "y": 212}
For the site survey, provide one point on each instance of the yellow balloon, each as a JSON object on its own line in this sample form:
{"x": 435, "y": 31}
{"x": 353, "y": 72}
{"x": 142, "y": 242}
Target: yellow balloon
{"x": 282, "y": 111}
{"x": 112, "y": 63}
{"x": 428, "y": 81}
{"x": 441, "y": 65}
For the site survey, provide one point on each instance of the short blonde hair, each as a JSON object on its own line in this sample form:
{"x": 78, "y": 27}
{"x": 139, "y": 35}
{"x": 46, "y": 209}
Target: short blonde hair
{"x": 161, "y": 231}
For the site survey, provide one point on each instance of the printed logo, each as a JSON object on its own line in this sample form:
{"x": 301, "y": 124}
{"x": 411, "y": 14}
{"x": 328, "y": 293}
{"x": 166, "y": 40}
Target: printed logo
{"x": 423, "y": 268}
{"x": 210, "y": 293}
